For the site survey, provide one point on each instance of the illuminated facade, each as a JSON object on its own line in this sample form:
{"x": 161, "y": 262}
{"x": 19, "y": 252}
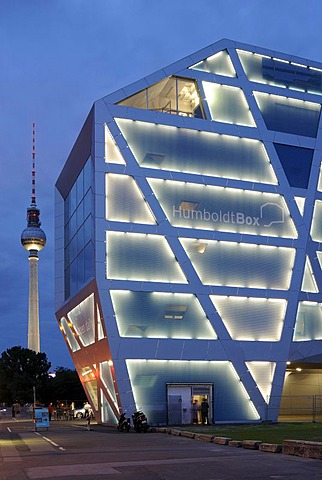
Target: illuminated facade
{"x": 188, "y": 237}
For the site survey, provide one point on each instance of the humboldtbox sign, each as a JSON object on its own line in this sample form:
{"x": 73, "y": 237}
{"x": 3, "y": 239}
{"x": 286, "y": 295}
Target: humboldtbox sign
{"x": 269, "y": 213}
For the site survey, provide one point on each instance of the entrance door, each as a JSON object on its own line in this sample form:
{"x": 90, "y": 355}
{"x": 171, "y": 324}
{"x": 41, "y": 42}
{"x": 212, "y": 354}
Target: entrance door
{"x": 184, "y": 403}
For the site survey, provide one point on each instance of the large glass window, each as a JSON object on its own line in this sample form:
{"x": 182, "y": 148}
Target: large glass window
{"x": 149, "y": 377}
{"x": 219, "y": 63}
{"x": 228, "y": 104}
{"x": 251, "y": 319}
{"x": 274, "y": 71}
{"x": 79, "y": 232}
{"x": 288, "y": 114}
{"x": 125, "y": 201}
{"x": 141, "y": 257}
{"x": 224, "y": 209}
{"x": 82, "y": 319}
{"x": 308, "y": 322}
{"x": 316, "y": 227}
{"x": 184, "y": 150}
{"x": 296, "y": 162}
{"x": 240, "y": 264}
{"x": 173, "y": 95}
{"x": 160, "y": 315}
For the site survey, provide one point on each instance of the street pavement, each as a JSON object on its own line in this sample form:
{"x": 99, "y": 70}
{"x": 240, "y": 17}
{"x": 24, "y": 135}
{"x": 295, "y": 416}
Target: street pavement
{"x": 68, "y": 451}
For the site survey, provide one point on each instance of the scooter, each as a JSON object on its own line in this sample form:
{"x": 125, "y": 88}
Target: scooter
{"x": 124, "y": 424}
{"x": 140, "y": 422}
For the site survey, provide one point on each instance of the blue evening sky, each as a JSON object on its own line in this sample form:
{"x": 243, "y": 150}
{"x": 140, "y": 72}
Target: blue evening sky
{"x": 56, "y": 58}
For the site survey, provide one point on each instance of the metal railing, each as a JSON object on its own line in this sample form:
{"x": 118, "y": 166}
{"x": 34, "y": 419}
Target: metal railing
{"x": 305, "y": 408}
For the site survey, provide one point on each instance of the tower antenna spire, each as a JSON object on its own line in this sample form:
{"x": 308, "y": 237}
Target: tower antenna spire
{"x": 33, "y": 168}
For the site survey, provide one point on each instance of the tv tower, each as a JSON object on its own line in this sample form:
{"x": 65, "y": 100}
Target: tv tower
{"x": 33, "y": 238}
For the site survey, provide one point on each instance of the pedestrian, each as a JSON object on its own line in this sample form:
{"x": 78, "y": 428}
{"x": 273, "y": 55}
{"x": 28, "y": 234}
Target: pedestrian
{"x": 88, "y": 423}
{"x": 204, "y": 411}
{"x": 50, "y": 410}
{"x": 195, "y": 408}
{"x": 87, "y": 409}
{"x": 13, "y": 411}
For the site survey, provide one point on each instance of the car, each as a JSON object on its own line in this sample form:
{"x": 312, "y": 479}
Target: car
{"x": 79, "y": 412}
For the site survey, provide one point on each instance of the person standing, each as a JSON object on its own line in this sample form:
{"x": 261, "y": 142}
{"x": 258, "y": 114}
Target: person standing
{"x": 204, "y": 411}
{"x": 195, "y": 408}
{"x": 50, "y": 410}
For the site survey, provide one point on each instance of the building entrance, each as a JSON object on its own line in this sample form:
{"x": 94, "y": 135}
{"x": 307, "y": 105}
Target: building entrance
{"x": 184, "y": 403}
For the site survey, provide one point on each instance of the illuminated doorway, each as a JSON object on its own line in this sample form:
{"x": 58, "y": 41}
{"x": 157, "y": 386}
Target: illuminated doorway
{"x": 184, "y": 402}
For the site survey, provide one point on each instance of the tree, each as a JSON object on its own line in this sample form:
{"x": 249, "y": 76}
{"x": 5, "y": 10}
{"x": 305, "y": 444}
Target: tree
{"x": 66, "y": 385}
{"x": 21, "y": 370}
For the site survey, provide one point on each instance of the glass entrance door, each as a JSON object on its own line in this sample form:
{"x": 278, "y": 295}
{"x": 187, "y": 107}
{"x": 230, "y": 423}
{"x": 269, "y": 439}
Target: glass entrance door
{"x": 184, "y": 403}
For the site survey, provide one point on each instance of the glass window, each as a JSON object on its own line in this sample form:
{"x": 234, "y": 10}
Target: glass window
{"x": 87, "y": 172}
{"x": 224, "y": 209}
{"x": 228, "y": 104}
{"x": 308, "y": 322}
{"x": 172, "y": 95}
{"x": 160, "y": 315}
{"x": 89, "y": 261}
{"x": 289, "y": 115}
{"x": 232, "y": 402}
{"x": 82, "y": 318}
{"x": 125, "y": 201}
{"x": 132, "y": 256}
{"x": 184, "y": 150}
{"x": 78, "y": 230}
{"x": 316, "y": 228}
{"x": 219, "y": 63}
{"x": 79, "y": 188}
{"x": 280, "y": 72}
{"x": 250, "y": 318}
{"x": 242, "y": 265}
{"x": 296, "y": 162}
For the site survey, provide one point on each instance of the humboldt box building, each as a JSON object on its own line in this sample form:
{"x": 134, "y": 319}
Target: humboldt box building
{"x": 189, "y": 238}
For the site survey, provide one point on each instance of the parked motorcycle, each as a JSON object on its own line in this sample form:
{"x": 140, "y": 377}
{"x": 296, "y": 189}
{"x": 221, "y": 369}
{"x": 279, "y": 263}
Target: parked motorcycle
{"x": 124, "y": 424}
{"x": 140, "y": 422}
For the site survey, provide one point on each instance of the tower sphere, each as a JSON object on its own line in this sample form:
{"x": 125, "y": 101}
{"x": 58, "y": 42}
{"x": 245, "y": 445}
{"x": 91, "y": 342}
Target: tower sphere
{"x": 33, "y": 238}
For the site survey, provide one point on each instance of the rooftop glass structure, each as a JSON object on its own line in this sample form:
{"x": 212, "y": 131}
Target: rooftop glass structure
{"x": 188, "y": 237}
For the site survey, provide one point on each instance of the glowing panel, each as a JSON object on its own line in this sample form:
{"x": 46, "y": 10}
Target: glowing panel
{"x": 82, "y": 318}
{"x": 263, "y": 374}
{"x": 241, "y": 264}
{"x": 308, "y": 322}
{"x": 224, "y": 209}
{"x": 137, "y": 256}
{"x": 316, "y": 227}
{"x": 320, "y": 179}
{"x": 232, "y": 400}
{"x": 72, "y": 342}
{"x": 124, "y": 200}
{"x": 252, "y": 319}
{"x": 160, "y": 315}
{"x": 112, "y": 152}
{"x": 107, "y": 414}
{"x": 274, "y": 71}
{"x": 100, "y": 331}
{"x": 184, "y": 150}
{"x": 107, "y": 379}
{"x": 309, "y": 283}
{"x": 300, "y": 202}
{"x": 228, "y": 104}
{"x": 219, "y": 63}
{"x": 319, "y": 256}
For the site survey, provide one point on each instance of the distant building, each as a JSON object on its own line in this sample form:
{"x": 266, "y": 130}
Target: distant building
{"x": 188, "y": 237}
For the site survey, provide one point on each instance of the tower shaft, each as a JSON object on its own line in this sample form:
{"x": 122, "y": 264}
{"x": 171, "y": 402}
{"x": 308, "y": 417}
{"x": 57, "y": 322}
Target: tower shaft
{"x": 33, "y": 313}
